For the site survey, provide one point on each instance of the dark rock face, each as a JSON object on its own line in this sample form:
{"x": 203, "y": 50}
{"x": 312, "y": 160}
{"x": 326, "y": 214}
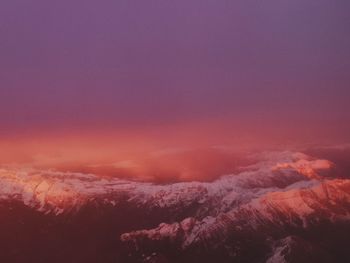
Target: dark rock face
{"x": 304, "y": 215}
{"x": 287, "y": 208}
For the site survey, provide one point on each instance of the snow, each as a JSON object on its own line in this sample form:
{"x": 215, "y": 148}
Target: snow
{"x": 53, "y": 190}
{"x": 292, "y": 203}
{"x": 280, "y": 251}
{"x": 282, "y": 183}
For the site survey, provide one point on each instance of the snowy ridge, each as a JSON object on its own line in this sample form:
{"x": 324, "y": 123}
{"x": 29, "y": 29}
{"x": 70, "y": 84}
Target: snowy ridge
{"x": 58, "y": 192}
{"x": 328, "y": 200}
{"x": 281, "y": 249}
{"x": 283, "y": 190}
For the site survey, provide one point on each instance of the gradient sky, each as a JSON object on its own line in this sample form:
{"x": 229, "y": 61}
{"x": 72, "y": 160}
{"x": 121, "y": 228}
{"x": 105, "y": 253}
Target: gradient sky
{"x": 132, "y": 65}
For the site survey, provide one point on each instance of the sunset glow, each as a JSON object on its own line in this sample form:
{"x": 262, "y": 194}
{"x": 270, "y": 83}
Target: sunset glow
{"x": 182, "y": 131}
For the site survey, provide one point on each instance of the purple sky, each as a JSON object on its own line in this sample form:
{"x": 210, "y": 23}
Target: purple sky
{"x": 126, "y": 63}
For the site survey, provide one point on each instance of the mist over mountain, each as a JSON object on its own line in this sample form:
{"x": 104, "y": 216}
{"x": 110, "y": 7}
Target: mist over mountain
{"x": 184, "y": 131}
{"x": 287, "y": 206}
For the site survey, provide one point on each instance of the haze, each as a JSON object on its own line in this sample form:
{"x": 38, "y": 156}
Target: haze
{"x": 100, "y": 81}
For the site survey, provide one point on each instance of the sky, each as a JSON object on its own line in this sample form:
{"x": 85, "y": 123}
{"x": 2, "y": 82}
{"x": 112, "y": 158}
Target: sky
{"x": 172, "y": 73}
